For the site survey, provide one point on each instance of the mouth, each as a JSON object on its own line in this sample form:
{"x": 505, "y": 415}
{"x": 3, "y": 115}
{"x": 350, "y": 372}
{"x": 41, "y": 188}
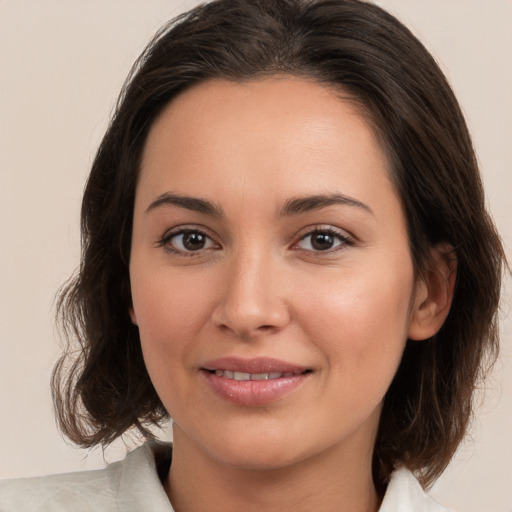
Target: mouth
{"x": 253, "y": 382}
{"x": 245, "y": 376}
{"x": 263, "y": 368}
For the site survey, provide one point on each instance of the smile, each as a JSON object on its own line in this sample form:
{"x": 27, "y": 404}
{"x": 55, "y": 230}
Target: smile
{"x": 253, "y": 382}
{"x": 243, "y": 376}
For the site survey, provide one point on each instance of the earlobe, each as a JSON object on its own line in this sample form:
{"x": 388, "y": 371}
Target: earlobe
{"x": 434, "y": 293}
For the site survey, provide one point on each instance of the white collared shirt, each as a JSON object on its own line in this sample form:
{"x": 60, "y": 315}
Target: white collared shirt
{"x": 133, "y": 485}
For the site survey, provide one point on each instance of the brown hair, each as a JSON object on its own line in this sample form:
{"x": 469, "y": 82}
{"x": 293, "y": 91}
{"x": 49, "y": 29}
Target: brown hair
{"x": 103, "y": 389}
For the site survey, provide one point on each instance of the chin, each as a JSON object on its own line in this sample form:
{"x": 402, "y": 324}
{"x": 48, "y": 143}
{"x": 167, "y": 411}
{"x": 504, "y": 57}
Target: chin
{"x": 265, "y": 459}
{"x": 268, "y": 449}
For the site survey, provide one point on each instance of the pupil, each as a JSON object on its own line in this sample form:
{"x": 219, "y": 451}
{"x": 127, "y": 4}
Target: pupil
{"x": 193, "y": 241}
{"x": 322, "y": 241}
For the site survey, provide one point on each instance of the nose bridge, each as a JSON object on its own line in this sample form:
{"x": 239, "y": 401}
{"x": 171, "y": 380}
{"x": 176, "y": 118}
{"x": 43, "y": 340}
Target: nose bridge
{"x": 252, "y": 300}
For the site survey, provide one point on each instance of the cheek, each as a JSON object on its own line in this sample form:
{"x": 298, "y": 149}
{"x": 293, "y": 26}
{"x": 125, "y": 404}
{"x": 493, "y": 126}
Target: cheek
{"x": 167, "y": 302}
{"x": 360, "y": 322}
{"x": 170, "y": 310}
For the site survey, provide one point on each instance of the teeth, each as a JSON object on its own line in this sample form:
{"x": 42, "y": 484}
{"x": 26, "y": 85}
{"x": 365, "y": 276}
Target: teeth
{"x": 244, "y": 376}
{"x": 259, "y": 376}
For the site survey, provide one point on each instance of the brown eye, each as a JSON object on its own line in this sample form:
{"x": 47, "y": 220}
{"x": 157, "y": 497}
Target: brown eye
{"x": 193, "y": 241}
{"x": 322, "y": 240}
{"x": 187, "y": 241}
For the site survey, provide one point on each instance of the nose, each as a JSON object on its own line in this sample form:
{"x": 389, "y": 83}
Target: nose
{"x": 252, "y": 299}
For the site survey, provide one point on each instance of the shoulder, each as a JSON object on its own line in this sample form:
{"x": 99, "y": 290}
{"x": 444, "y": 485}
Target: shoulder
{"x": 122, "y": 486}
{"x": 404, "y": 493}
{"x": 70, "y": 491}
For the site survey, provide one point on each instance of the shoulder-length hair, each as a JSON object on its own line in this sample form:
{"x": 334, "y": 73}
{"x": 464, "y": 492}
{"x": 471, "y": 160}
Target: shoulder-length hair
{"x": 102, "y": 389}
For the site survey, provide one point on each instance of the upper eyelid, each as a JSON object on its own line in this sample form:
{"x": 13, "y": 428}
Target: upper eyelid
{"x": 343, "y": 233}
{"x": 179, "y": 230}
{"x": 164, "y": 242}
{"x": 346, "y": 239}
{"x": 183, "y": 228}
{"x": 301, "y": 234}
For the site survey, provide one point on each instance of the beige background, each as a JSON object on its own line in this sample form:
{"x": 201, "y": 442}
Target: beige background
{"x": 62, "y": 63}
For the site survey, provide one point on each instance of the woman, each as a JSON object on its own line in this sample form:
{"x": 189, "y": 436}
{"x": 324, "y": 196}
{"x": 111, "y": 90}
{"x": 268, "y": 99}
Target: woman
{"x": 279, "y": 254}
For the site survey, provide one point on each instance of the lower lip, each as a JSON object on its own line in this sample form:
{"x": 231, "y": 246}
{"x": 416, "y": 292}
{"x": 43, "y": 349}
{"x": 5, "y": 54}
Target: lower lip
{"x": 252, "y": 393}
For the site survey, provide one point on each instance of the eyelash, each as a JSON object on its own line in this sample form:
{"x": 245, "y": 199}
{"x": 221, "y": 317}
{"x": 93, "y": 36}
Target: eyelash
{"x": 344, "y": 240}
{"x": 165, "y": 241}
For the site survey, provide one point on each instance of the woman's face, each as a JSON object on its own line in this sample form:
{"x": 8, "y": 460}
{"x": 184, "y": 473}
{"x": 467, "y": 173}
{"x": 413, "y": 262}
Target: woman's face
{"x": 271, "y": 277}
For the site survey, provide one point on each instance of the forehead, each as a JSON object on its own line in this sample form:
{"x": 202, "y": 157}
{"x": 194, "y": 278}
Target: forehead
{"x": 290, "y": 134}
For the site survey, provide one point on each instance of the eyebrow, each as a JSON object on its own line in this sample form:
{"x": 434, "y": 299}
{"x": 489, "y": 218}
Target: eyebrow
{"x": 304, "y": 204}
{"x": 194, "y": 204}
{"x": 291, "y": 207}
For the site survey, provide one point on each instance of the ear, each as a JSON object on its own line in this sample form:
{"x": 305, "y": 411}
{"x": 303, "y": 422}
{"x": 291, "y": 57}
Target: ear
{"x": 133, "y": 316}
{"x": 434, "y": 293}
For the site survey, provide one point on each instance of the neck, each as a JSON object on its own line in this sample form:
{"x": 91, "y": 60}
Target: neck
{"x": 332, "y": 481}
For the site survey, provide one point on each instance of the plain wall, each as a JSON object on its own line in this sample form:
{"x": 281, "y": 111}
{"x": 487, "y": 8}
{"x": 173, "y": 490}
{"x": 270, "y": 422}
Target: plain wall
{"x": 62, "y": 63}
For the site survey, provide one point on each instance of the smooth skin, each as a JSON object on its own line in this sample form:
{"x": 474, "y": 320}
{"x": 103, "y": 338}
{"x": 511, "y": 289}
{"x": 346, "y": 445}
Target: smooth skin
{"x": 266, "y": 225}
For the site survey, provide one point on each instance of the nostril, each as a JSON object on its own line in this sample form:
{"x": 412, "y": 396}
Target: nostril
{"x": 250, "y": 317}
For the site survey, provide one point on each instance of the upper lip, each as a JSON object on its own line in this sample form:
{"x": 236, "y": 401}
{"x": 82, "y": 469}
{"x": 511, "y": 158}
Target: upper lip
{"x": 253, "y": 365}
